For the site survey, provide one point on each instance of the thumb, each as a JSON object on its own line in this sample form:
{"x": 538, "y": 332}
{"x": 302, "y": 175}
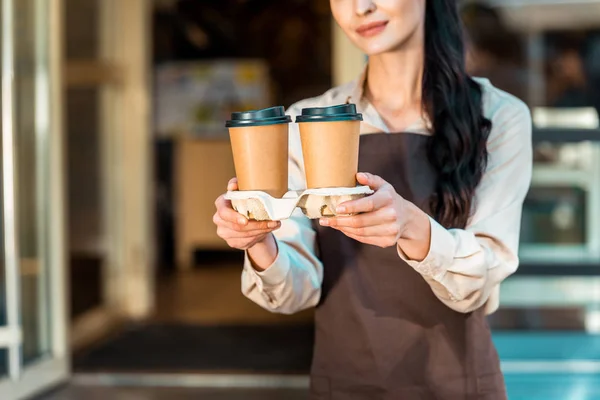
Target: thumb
{"x": 232, "y": 184}
{"x": 373, "y": 181}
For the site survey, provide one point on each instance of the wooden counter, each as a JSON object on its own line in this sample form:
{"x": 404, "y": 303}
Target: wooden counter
{"x": 202, "y": 169}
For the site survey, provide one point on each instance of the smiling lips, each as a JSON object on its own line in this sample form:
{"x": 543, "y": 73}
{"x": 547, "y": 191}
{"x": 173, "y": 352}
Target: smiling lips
{"x": 371, "y": 29}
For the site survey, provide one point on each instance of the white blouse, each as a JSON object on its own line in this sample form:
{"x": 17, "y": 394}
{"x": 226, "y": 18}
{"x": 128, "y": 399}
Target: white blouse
{"x": 464, "y": 267}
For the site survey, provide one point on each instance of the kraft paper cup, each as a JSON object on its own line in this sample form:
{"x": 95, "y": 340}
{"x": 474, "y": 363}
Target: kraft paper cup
{"x": 259, "y": 142}
{"x": 330, "y": 143}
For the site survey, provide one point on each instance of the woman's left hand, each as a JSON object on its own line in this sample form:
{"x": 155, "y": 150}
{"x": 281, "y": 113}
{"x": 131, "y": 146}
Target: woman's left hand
{"x": 381, "y": 218}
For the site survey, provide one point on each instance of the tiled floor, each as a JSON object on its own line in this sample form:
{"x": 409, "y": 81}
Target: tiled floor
{"x": 553, "y": 387}
{"x": 108, "y": 393}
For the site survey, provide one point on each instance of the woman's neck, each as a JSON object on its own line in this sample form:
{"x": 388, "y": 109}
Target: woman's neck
{"x": 395, "y": 79}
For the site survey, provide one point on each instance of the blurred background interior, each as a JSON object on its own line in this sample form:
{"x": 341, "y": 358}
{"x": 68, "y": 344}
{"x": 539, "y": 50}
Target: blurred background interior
{"x": 113, "y": 151}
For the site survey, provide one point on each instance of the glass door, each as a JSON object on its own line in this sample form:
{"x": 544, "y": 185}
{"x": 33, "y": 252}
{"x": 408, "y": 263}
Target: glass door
{"x": 33, "y": 351}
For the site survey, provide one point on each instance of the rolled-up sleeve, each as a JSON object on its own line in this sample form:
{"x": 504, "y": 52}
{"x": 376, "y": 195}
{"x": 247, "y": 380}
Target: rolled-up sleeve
{"x": 293, "y": 282}
{"x": 465, "y": 267}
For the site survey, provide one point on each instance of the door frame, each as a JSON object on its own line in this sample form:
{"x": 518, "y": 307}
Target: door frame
{"x": 54, "y": 368}
{"x": 122, "y": 74}
{"x": 127, "y": 163}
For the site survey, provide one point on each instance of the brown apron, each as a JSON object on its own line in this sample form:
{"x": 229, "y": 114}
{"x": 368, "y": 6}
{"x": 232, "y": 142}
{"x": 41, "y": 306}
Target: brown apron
{"x": 380, "y": 331}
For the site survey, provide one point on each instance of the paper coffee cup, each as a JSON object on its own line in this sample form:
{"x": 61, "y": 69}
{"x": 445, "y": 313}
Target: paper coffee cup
{"x": 330, "y": 139}
{"x": 259, "y": 142}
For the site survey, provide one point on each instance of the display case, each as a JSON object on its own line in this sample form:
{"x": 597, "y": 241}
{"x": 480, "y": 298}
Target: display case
{"x": 561, "y": 214}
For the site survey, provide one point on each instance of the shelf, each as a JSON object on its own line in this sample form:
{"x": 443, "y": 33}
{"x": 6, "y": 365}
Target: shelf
{"x": 553, "y": 175}
{"x": 565, "y": 135}
{"x": 521, "y": 291}
{"x": 549, "y": 254}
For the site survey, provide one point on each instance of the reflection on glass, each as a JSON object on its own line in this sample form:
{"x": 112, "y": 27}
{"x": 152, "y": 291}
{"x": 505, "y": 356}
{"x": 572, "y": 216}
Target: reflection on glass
{"x": 3, "y": 357}
{"x": 554, "y": 215}
{"x": 562, "y": 204}
{"x": 30, "y": 141}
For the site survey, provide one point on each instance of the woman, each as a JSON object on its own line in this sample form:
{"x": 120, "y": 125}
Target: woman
{"x": 402, "y": 289}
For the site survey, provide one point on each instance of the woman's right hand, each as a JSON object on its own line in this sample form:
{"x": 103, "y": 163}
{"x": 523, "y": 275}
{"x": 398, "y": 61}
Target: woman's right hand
{"x": 238, "y": 231}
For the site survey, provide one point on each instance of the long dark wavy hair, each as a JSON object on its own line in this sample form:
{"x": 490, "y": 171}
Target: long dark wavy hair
{"x": 453, "y": 102}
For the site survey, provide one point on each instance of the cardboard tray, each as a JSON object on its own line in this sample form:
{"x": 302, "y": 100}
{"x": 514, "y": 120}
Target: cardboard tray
{"x": 314, "y": 203}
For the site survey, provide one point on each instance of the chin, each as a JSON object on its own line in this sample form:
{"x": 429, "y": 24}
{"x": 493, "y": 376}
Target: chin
{"x": 375, "y": 48}
{"x": 376, "y": 45}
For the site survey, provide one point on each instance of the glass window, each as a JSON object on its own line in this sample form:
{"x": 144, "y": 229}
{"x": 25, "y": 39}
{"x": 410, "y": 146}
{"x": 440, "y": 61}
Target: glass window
{"x": 31, "y": 131}
{"x": 554, "y": 215}
{"x": 3, "y": 319}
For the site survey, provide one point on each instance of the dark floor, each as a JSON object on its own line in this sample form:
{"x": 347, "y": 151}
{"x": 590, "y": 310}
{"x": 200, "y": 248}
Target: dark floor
{"x": 176, "y": 347}
{"x": 85, "y": 275}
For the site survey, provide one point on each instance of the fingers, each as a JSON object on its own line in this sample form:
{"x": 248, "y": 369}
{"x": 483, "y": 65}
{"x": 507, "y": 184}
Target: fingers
{"x": 243, "y": 237}
{"x": 373, "y": 181}
{"x": 228, "y": 234}
{"x": 227, "y": 213}
{"x": 380, "y": 217}
{"x": 251, "y": 227}
{"x": 238, "y": 231}
{"x": 234, "y": 240}
{"x": 232, "y": 184}
{"x": 379, "y": 199}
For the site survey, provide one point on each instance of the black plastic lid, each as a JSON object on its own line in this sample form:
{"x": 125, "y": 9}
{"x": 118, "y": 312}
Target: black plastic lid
{"x": 266, "y": 116}
{"x": 342, "y": 112}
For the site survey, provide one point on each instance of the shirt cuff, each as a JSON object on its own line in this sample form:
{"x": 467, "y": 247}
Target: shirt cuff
{"x": 275, "y": 274}
{"x": 442, "y": 248}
